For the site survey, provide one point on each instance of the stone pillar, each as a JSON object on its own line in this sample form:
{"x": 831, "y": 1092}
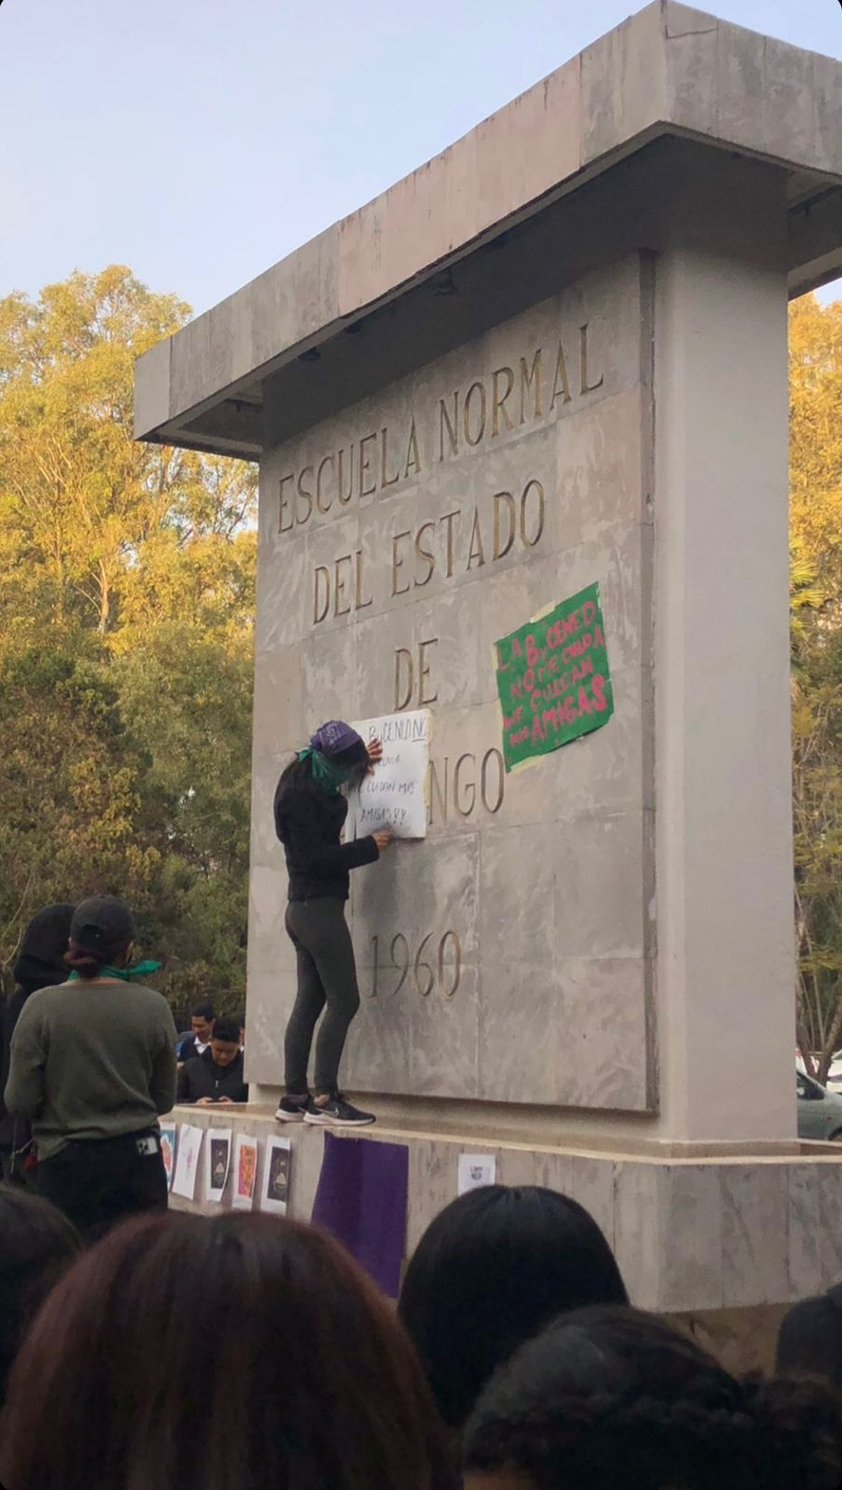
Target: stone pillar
{"x": 726, "y": 968}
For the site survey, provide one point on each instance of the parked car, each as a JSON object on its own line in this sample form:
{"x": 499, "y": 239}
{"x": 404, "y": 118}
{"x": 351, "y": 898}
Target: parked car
{"x": 834, "y": 1075}
{"x": 819, "y": 1111}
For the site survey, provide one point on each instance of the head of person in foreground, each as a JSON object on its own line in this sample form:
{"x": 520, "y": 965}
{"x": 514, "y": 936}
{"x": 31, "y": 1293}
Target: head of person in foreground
{"x": 304, "y": 1375}
{"x": 490, "y": 1271}
{"x": 616, "y": 1399}
{"x": 37, "y": 1243}
{"x": 810, "y": 1339}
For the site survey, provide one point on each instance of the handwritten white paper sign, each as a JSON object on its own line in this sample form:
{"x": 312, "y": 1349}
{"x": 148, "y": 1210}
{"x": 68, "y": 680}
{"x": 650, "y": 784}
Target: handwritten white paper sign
{"x": 392, "y": 798}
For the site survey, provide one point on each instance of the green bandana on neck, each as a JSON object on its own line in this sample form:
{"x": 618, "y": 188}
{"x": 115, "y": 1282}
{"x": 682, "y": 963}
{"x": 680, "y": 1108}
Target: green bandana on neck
{"x": 325, "y": 774}
{"x": 134, "y": 974}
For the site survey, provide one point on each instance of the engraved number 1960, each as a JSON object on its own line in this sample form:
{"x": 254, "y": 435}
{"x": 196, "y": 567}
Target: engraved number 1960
{"x": 431, "y": 967}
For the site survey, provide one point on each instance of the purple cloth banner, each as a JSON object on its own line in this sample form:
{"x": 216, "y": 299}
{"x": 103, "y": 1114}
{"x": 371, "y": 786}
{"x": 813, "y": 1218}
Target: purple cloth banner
{"x": 361, "y": 1200}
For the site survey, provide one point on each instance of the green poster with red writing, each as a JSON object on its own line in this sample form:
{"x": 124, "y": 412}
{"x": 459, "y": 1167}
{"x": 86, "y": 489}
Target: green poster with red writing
{"x": 553, "y": 679}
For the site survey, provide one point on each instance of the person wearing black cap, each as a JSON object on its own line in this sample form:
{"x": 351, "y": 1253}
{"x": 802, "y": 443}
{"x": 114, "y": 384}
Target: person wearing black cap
{"x": 92, "y": 1067}
{"x": 40, "y": 964}
{"x": 310, "y": 813}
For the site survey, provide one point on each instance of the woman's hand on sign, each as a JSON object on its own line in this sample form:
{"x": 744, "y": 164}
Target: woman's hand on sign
{"x": 382, "y": 839}
{"x": 375, "y": 754}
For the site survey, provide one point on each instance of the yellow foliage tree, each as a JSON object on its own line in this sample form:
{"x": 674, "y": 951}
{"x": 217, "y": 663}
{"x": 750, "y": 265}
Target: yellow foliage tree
{"x": 126, "y": 609}
{"x": 816, "y": 540}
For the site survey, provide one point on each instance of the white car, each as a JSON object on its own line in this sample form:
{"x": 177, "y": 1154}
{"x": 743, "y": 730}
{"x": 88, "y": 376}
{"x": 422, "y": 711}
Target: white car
{"x": 834, "y": 1075}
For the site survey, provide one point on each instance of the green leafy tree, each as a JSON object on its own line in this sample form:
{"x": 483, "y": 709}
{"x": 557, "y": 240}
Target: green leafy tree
{"x": 126, "y": 603}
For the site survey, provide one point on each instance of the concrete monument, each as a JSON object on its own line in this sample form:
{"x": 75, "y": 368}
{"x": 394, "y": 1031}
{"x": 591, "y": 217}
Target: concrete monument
{"x": 555, "y": 357}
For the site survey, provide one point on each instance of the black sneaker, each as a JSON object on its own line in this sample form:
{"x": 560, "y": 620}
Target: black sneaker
{"x": 337, "y": 1113}
{"x": 292, "y": 1109}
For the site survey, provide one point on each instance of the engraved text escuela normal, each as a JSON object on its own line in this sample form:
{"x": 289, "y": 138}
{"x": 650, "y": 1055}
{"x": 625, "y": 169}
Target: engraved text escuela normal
{"x": 511, "y": 398}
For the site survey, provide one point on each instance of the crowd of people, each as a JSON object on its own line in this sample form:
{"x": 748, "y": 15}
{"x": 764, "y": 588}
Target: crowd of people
{"x": 250, "y": 1352}
{"x": 86, "y": 1072}
{"x": 146, "y": 1349}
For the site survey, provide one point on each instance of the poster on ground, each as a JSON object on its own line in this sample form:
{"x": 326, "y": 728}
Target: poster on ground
{"x": 245, "y": 1172}
{"x": 217, "y": 1161}
{"x": 553, "y": 680}
{"x": 393, "y": 798}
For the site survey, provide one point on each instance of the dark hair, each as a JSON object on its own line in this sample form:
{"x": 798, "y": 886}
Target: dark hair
{"x": 228, "y": 1030}
{"x": 492, "y": 1269}
{"x": 810, "y": 1338}
{"x": 203, "y": 1011}
{"x": 36, "y": 1243}
{"x": 40, "y": 962}
{"x": 613, "y": 1397}
{"x": 307, "y": 1377}
{"x": 101, "y": 932}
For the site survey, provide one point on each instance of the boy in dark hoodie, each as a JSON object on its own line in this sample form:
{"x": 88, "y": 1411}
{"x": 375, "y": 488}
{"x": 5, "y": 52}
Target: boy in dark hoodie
{"x": 40, "y": 964}
{"x": 216, "y": 1076}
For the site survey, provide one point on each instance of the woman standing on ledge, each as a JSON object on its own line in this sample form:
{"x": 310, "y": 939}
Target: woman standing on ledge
{"x": 310, "y": 813}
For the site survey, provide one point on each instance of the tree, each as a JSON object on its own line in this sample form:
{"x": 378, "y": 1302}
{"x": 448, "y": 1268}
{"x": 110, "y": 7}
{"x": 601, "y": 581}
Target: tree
{"x": 816, "y": 596}
{"x": 126, "y": 605}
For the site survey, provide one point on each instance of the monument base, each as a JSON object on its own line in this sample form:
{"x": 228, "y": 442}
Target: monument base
{"x": 721, "y": 1237}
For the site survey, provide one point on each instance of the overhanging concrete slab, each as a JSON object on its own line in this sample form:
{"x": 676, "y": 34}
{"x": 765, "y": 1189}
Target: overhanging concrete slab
{"x": 669, "y": 73}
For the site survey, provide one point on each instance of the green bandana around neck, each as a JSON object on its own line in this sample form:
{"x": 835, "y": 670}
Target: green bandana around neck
{"x": 134, "y": 974}
{"x": 325, "y": 774}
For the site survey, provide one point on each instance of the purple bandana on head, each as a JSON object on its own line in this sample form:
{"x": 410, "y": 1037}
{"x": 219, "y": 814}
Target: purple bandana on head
{"x": 334, "y": 737}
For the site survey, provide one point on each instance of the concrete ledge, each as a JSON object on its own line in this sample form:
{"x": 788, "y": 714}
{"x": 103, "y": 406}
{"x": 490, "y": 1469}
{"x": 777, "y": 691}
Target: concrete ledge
{"x": 668, "y": 70}
{"x": 700, "y": 1231}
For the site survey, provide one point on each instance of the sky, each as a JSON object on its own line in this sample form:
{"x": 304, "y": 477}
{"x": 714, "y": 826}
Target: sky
{"x": 199, "y": 141}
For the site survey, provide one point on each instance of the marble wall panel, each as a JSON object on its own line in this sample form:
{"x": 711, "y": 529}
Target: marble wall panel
{"x": 279, "y": 722}
{"x": 804, "y": 1261}
{"x": 269, "y": 947}
{"x": 636, "y": 1237}
{"x": 601, "y": 453}
{"x": 829, "y": 1185}
{"x": 597, "y": 859}
{"x": 265, "y": 848}
{"x": 592, "y": 1184}
{"x": 755, "y": 1232}
{"x": 691, "y": 1237}
{"x": 270, "y": 997}
{"x": 535, "y": 887}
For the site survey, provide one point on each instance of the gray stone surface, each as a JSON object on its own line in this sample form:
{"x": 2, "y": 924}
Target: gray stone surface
{"x": 699, "y": 1235}
{"x": 669, "y": 70}
{"x": 509, "y": 955}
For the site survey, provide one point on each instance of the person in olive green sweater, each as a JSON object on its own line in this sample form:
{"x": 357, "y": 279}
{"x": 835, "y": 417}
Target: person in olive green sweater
{"x": 92, "y": 1066}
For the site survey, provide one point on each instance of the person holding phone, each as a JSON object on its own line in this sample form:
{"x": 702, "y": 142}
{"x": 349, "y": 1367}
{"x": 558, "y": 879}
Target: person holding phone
{"x": 216, "y": 1075}
{"x": 310, "y": 813}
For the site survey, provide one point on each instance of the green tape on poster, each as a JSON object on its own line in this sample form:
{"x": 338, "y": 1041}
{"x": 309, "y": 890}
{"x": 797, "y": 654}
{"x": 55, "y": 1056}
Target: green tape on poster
{"x": 553, "y": 679}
